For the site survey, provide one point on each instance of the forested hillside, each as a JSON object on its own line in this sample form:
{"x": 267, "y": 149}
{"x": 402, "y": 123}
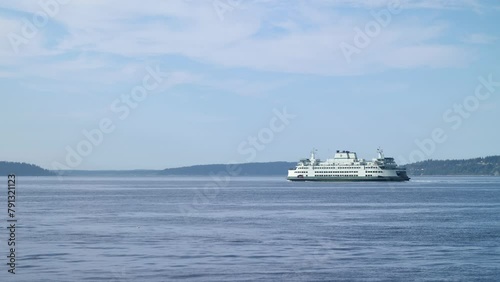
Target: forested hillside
{"x": 477, "y": 166}
{"x": 23, "y": 169}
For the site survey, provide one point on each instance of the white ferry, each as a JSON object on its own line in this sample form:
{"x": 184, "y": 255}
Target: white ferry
{"x": 345, "y": 166}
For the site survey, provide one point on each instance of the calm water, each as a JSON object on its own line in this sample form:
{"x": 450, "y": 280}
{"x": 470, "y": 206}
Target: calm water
{"x": 254, "y": 229}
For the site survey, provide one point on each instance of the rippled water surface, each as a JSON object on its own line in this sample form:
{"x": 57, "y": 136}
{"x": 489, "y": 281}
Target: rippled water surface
{"x": 255, "y": 229}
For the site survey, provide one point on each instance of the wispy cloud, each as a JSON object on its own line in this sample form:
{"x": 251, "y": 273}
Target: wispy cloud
{"x": 180, "y": 28}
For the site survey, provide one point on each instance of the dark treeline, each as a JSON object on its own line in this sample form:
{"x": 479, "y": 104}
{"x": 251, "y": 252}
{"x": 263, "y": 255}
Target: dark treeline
{"x": 477, "y": 166}
{"x": 23, "y": 169}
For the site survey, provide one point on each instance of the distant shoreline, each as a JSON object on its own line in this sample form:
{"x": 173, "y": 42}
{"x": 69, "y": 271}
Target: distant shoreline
{"x": 487, "y": 166}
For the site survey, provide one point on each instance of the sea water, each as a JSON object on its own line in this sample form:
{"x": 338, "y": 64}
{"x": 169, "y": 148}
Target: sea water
{"x": 253, "y": 229}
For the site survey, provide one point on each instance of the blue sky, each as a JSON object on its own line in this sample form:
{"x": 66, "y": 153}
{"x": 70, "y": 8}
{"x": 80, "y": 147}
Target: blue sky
{"x": 228, "y": 70}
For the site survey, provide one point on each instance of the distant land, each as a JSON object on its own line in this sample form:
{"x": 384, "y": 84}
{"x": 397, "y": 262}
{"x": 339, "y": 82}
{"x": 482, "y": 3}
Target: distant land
{"x": 247, "y": 169}
{"x": 23, "y": 169}
{"x": 133, "y": 172}
{"x": 477, "y": 166}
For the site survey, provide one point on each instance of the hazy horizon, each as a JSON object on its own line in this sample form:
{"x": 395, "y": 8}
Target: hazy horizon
{"x": 117, "y": 85}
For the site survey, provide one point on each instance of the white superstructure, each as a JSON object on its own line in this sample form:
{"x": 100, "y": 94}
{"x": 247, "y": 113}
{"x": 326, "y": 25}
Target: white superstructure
{"x": 345, "y": 166}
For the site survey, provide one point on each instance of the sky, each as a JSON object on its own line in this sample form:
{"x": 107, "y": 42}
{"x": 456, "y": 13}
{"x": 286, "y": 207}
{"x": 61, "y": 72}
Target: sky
{"x": 160, "y": 84}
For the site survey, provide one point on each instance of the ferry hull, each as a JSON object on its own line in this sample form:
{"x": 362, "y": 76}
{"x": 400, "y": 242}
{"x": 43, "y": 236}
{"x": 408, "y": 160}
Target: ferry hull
{"x": 347, "y": 179}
